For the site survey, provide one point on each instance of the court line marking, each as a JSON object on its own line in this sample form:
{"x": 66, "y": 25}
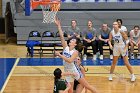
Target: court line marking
{"x": 42, "y": 72}
{"x": 11, "y": 72}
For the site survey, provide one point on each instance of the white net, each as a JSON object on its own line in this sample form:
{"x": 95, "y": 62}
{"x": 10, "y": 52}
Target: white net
{"x": 49, "y": 13}
{"x": 49, "y": 16}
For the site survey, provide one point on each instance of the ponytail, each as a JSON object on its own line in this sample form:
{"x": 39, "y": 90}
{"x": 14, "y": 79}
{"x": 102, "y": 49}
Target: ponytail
{"x": 57, "y": 75}
{"x": 56, "y": 79}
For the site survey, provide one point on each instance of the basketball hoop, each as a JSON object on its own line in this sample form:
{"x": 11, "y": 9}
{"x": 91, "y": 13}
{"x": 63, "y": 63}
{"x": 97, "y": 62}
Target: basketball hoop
{"x": 49, "y": 9}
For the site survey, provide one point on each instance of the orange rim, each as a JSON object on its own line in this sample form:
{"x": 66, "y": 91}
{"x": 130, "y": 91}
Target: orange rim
{"x": 54, "y": 5}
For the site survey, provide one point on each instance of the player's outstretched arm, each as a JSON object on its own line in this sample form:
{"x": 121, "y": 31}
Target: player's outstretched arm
{"x": 57, "y": 22}
{"x": 68, "y": 60}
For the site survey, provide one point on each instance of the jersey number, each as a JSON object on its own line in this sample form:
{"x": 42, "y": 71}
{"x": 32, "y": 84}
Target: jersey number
{"x": 55, "y": 88}
{"x": 116, "y": 40}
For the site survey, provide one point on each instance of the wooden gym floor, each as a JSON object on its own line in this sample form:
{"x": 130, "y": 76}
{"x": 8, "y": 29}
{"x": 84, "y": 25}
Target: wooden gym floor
{"x": 39, "y": 79}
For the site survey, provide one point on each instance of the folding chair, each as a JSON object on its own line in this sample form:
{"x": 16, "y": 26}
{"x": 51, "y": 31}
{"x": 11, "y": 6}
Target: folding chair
{"x": 33, "y": 43}
{"x": 47, "y": 42}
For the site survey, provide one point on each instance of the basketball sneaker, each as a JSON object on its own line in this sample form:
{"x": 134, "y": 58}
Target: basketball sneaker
{"x": 138, "y": 55}
{"x": 101, "y": 57}
{"x": 132, "y": 56}
{"x": 110, "y": 77}
{"x": 94, "y": 57}
{"x": 84, "y": 57}
{"x": 98, "y": 54}
{"x": 111, "y": 56}
{"x": 133, "y": 78}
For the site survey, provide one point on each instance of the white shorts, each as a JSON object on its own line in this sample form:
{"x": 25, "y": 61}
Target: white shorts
{"x": 119, "y": 50}
{"x": 71, "y": 78}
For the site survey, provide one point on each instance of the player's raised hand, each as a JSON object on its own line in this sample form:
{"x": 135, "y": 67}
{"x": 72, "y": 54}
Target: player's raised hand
{"x": 57, "y": 53}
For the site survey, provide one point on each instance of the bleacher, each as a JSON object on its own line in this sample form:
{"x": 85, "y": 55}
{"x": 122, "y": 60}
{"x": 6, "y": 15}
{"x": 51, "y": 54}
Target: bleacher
{"x": 81, "y": 10}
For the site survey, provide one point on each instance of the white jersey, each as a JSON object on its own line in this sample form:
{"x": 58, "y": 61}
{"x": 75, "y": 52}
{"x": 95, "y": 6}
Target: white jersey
{"x": 71, "y": 67}
{"x": 117, "y": 37}
{"x": 67, "y": 53}
{"x": 118, "y": 44}
{"x": 123, "y": 28}
{"x": 135, "y": 37}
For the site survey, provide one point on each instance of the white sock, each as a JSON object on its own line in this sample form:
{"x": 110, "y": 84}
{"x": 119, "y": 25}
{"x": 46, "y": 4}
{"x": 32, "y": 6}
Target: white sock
{"x": 132, "y": 75}
{"x": 110, "y": 75}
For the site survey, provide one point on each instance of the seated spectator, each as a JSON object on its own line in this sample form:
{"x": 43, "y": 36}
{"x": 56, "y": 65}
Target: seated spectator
{"x": 135, "y": 41}
{"x": 89, "y": 39}
{"x": 103, "y": 38}
{"x": 73, "y": 31}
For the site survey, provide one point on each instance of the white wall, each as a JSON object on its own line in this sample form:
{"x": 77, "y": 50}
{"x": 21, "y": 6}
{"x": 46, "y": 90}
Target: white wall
{"x": 4, "y": 6}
